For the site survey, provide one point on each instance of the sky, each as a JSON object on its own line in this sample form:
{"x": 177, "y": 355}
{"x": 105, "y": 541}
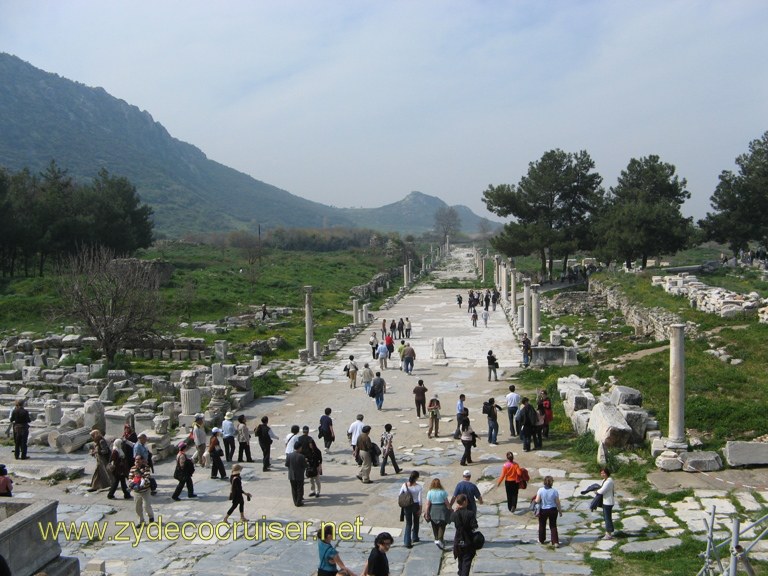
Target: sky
{"x": 356, "y": 103}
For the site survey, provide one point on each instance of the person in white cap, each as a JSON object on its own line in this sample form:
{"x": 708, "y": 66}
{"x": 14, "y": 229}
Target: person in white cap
{"x": 470, "y": 490}
{"x": 215, "y": 452}
{"x": 228, "y": 433}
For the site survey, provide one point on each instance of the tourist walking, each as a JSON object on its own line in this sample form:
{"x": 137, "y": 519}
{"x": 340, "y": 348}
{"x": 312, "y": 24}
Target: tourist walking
{"x": 513, "y": 404}
{"x": 437, "y": 511}
{"x": 493, "y": 365}
{"x": 607, "y": 492}
{"x": 330, "y": 560}
{"x": 491, "y": 410}
{"x": 297, "y": 467}
{"x": 549, "y": 499}
{"x": 351, "y": 370}
{"x": 354, "y": 431}
{"x": 433, "y": 409}
{"x": 411, "y": 512}
{"x": 236, "y": 493}
{"x": 266, "y": 436}
{"x": 378, "y": 389}
{"x": 400, "y": 350}
{"x": 363, "y": 454}
{"x": 459, "y": 300}
{"x": 420, "y": 398}
{"x": 228, "y": 434}
{"x": 383, "y": 328}
{"x": 459, "y": 416}
{"x": 388, "y": 450}
{"x": 527, "y": 419}
{"x": 539, "y": 428}
{"x": 243, "y": 440}
{"x": 393, "y": 328}
{"x": 378, "y": 563}
{"x": 325, "y": 429}
{"x": 314, "y": 467}
{"x": 409, "y": 357}
{"x": 401, "y": 328}
{"x": 100, "y": 451}
{"x": 290, "y": 439}
{"x": 526, "y": 345}
{"x": 485, "y": 315}
{"x": 512, "y": 476}
{"x": 120, "y": 466}
{"x": 366, "y": 378}
{"x": 465, "y": 521}
{"x": 216, "y": 452}
{"x": 469, "y": 489}
{"x": 20, "y": 420}
{"x": 474, "y": 318}
{"x": 200, "y": 439}
{"x": 407, "y": 327}
{"x": 383, "y": 355}
{"x": 185, "y": 468}
{"x": 468, "y": 438}
{"x": 545, "y": 403}
{"x": 373, "y": 342}
{"x": 390, "y": 343}
{"x": 140, "y": 484}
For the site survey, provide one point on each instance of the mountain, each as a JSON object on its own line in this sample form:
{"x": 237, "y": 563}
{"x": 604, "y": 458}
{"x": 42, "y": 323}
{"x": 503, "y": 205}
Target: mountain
{"x": 45, "y": 117}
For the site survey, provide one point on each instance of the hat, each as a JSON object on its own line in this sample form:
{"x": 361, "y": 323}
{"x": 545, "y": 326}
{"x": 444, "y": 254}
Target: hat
{"x": 228, "y": 416}
{"x": 215, "y": 430}
{"x": 467, "y": 473}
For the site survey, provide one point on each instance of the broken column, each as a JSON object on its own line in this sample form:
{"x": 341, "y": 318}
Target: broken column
{"x": 220, "y": 350}
{"x": 73, "y": 440}
{"x": 94, "y": 415}
{"x": 191, "y": 399}
{"x": 52, "y": 412}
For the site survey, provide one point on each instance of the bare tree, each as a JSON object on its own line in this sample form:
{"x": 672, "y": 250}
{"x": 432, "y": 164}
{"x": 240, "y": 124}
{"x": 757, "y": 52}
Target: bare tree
{"x": 447, "y": 222}
{"x": 117, "y": 300}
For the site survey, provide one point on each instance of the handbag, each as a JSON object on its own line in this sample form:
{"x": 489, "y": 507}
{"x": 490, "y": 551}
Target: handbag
{"x": 111, "y": 468}
{"x": 478, "y": 540}
{"x": 535, "y": 507}
{"x": 405, "y": 499}
{"x": 311, "y": 471}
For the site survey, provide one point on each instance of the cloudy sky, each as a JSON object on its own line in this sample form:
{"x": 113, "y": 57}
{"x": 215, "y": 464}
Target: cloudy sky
{"x": 357, "y": 102}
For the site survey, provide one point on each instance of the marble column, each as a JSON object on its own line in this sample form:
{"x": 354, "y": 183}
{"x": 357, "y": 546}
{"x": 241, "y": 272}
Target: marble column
{"x": 405, "y": 275}
{"x": 410, "y": 271}
{"x": 513, "y": 289}
{"x": 482, "y": 268}
{"x": 191, "y": 400}
{"x": 355, "y": 309}
{"x": 535, "y": 314}
{"x": 504, "y": 282}
{"x": 677, "y": 384}
{"x": 521, "y": 316}
{"x": 527, "y": 306}
{"x": 53, "y": 412}
{"x": 308, "y": 325}
{"x": 496, "y": 270}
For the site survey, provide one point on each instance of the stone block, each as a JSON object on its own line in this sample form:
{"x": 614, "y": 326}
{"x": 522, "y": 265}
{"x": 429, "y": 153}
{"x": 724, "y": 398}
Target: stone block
{"x": 637, "y": 418}
{"x": 739, "y": 453}
{"x": 701, "y": 461}
{"x": 626, "y": 395}
{"x": 609, "y": 426}
{"x": 669, "y": 461}
{"x": 580, "y": 421}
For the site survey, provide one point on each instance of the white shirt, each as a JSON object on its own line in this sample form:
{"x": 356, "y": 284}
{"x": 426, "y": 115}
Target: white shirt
{"x": 415, "y": 491}
{"x": 290, "y": 440}
{"x": 355, "y": 429}
{"x": 607, "y": 491}
{"x": 513, "y": 400}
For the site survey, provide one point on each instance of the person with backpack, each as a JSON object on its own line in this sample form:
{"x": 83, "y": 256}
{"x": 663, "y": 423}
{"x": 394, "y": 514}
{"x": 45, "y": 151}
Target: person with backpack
{"x": 265, "y": 436}
{"x": 331, "y": 563}
{"x": 325, "y": 430}
{"x": 491, "y": 410}
{"x": 409, "y": 500}
{"x": 378, "y": 389}
{"x": 465, "y": 521}
{"x": 351, "y": 370}
{"x": 185, "y": 468}
{"x": 528, "y": 421}
{"x": 388, "y": 450}
{"x": 514, "y": 477}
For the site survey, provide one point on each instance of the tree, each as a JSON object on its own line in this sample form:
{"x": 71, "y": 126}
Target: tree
{"x": 117, "y": 300}
{"x": 553, "y": 204}
{"x": 741, "y": 201}
{"x": 642, "y": 216}
{"x": 447, "y": 222}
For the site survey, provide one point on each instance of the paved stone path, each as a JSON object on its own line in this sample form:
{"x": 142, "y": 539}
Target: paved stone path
{"x": 512, "y": 546}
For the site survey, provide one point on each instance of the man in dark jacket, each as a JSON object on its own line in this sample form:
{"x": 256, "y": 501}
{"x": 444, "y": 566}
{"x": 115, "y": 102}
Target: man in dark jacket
{"x": 528, "y": 420}
{"x": 20, "y": 420}
{"x": 297, "y": 466}
{"x": 465, "y": 522}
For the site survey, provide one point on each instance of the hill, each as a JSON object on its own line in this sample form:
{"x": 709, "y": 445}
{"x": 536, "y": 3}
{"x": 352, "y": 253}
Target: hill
{"x": 45, "y": 117}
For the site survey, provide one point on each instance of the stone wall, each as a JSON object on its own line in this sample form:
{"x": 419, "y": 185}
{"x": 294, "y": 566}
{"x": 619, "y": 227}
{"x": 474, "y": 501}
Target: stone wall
{"x": 651, "y": 322}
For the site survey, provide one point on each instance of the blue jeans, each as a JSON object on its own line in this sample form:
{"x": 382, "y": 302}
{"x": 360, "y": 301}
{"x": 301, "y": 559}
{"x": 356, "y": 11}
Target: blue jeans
{"x": 411, "y": 523}
{"x": 511, "y": 411}
{"x": 608, "y": 517}
{"x": 408, "y": 364}
{"x": 367, "y": 386}
{"x": 493, "y": 430}
{"x": 526, "y": 435}
{"x": 379, "y": 401}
